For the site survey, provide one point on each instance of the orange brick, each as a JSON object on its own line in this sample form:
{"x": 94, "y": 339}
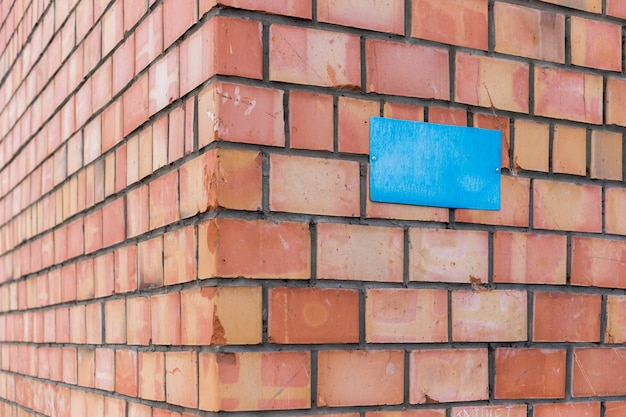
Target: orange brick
{"x": 594, "y": 6}
{"x": 529, "y": 258}
{"x": 77, "y": 324}
{"x": 104, "y": 275}
{"x": 115, "y": 321}
{"x": 490, "y": 410}
{"x": 181, "y": 378}
{"x": 569, "y": 150}
{"x": 221, "y": 315}
{"x": 406, "y": 315}
{"x": 489, "y": 121}
{"x": 105, "y": 369}
{"x": 313, "y": 315}
{"x": 93, "y": 232}
{"x": 160, "y": 137}
{"x": 86, "y": 367}
{"x": 151, "y": 376}
{"x": 594, "y": 44}
{"x": 139, "y": 410}
{"x": 149, "y": 39}
{"x": 231, "y": 248}
{"x": 113, "y": 225}
{"x": 150, "y": 263}
{"x": 614, "y": 408}
{"x": 221, "y": 178}
{"x": 498, "y": 315}
{"x": 163, "y": 81}
{"x": 353, "y": 125}
{"x": 294, "y": 8}
{"x": 164, "y": 200}
{"x": 239, "y": 113}
{"x": 501, "y": 83}
{"x": 530, "y": 373}
{"x": 126, "y": 269}
{"x": 179, "y": 247}
{"x": 616, "y": 8}
{"x": 433, "y": 372}
{"x": 126, "y": 372}
{"x": 380, "y": 15}
{"x": 614, "y": 201}
{"x": 570, "y": 95}
{"x": 530, "y": 32}
{"x": 598, "y": 262}
{"x": 606, "y": 155}
{"x": 615, "y": 319}
{"x": 136, "y": 104}
{"x": 407, "y": 70}
{"x": 403, "y": 111}
{"x": 310, "y": 121}
{"x": 566, "y": 317}
{"x": 598, "y": 371}
{"x": 138, "y": 321}
{"x": 112, "y": 124}
{"x": 615, "y": 96}
{"x": 165, "y": 319}
{"x": 403, "y": 211}
{"x": 233, "y": 381}
{"x": 93, "y": 314}
{"x": 137, "y": 211}
{"x": 566, "y": 206}
{"x": 314, "y": 57}
{"x": 186, "y": 15}
{"x": 465, "y": 23}
{"x": 448, "y": 255}
{"x": 532, "y": 143}
{"x": 446, "y": 116}
{"x": 570, "y": 410}
{"x": 314, "y": 185}
{"x": 355, "y": 252}
{"x": 359, "y": 377}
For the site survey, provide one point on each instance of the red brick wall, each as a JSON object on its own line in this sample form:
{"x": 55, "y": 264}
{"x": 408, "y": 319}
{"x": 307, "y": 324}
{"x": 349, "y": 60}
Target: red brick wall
{"x": 185, "y": 225}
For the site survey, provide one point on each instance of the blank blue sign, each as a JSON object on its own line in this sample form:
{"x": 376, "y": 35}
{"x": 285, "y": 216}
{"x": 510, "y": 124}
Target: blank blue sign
{"x": 428, "y": 164}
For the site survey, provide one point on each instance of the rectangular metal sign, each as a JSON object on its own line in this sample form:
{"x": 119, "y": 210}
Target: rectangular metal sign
{"x": 429, "y": 164}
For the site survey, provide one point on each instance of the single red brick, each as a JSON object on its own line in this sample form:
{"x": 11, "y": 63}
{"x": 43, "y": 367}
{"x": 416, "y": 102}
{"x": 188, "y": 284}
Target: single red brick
{"x": 314, "y": 57}
{"x": 465, "y": 23}
{"x": 594, "y": 44}
{"x": 77, "y": 324}
{"x": 407, "y": 70}
{"x": 181, "y": 378}
{"x": 238, "y": 113}
{"x": 178, "y": 249}
{"x": 492, "y": 82}
{"x": 115, "y": 321}
{"x": 606, "y": 155}
{"x": 102, "y": 85}
{"x": 314, "y": 185}
{"x": 358, "y": 377}
{"x": 353, "y": 125}
{"x": 594, "y": 6}
{"x": 126, "y": 269}
{"x": 163, "y": 81}
{"x": 614, "y": 408}
{"x": 164, "y": 200}
{"x": 176, "y": 136}
{"x": 354, "y": 252}
{"x": 616, "y": 8}
{"x": 165, "y": 319}
{"x": 232, "y": 248}
{"x": 570, "y": 95}
{"x": 232, "y": 381}
{"x": 532, "y": 146}
{"x": 380, "y": 15}
{"x": 614, "y": 200}
{"x": 93, "y": 232}
{"x": 447, "y": 116}
{"x": 133, "y": 10}
{"x": 104, "y": 275}
{"x": 113, "y": 225}
{"x": 221, "y": 315}
{"x": 615, "y": 95}
{"x": 566, "y": 317}
{"x": 84, "y": 279}
{"x": 567, "y": 206}
{"x": 93, "y": 314}
{"x": 313, "y": 315}
{"x": 498, "y": 315}
{"x": 433, "y": 372}
{"x": 126, "y": 372}
{"x": 448, "y": 255}
{"x": 186, "y": 15}
{"x": 403, "y": 111}
{"x": 149, "y": 39}
{"x": 86, "y": 364}
{"x": 138, "y": 321}
{"x": 150, "y": 263}
{"x": 112, "y": 125}
{"x": 529, "y": 258}
{"x": 530, "y": 32}
{"x": 530, "y": 373}
{"x": 406, "y": 315}
{"x": 598, "y": 262}
{"x": 569, "y": 150}
{"x": 490, "y": 410}
{"x": 112, "y": 27}
{"x": 137, "y": 211}
{"x": 105, "y": 369}
{"x": 598, "y": 371}
{"x": 136, "y": 104}
{"x": 310, "y": 121}
{"x": 151, "y": 376}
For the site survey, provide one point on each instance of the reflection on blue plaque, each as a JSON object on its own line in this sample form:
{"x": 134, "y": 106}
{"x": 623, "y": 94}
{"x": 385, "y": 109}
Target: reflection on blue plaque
{"x": 428, "y": 164}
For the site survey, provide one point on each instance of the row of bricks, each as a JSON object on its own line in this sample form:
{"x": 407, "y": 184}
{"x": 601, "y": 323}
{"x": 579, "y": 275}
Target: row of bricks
{"x": 282, "y": 380}
{"x": 234, "y": 316}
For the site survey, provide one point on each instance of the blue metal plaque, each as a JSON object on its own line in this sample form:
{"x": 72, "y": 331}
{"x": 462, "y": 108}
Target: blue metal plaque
{"x": 428, "y": 164}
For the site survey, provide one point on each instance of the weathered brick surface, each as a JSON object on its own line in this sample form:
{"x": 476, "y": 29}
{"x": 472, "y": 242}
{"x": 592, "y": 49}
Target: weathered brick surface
{"x": 186, "y": 226}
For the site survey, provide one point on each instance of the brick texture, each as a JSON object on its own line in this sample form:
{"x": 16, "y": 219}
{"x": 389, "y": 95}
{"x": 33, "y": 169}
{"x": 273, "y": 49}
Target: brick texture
{"x": 186, "y": 226}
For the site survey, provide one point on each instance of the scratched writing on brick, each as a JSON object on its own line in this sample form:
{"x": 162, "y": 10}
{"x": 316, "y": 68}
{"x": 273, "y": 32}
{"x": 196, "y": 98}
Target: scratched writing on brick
{"x": 484, "y": 412}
